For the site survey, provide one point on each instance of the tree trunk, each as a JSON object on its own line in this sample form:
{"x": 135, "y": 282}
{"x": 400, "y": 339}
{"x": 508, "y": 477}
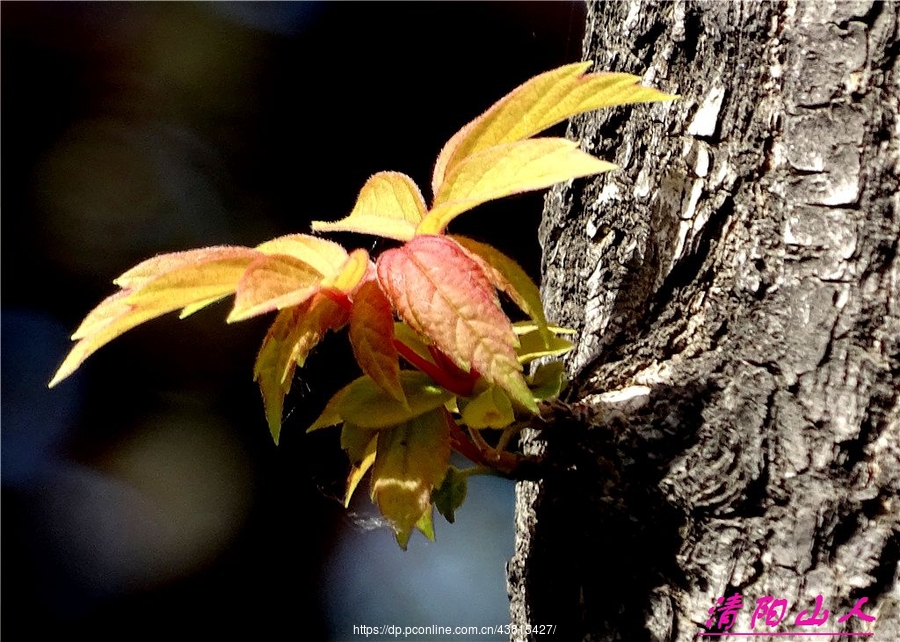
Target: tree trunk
{"x": 734, "y": 416}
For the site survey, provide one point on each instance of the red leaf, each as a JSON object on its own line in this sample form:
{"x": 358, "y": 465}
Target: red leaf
{"x": 372, "y": 338}
{"x": 509, "y": 277}
{"x": 293, "y": 334}
{"x": 444, "y": 295}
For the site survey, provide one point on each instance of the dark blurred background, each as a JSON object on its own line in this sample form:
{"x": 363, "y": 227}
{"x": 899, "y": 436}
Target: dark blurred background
{"x": 143, "y": 497}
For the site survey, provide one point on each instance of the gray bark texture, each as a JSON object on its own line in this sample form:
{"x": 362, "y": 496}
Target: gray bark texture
{"x": 733, "y": 418}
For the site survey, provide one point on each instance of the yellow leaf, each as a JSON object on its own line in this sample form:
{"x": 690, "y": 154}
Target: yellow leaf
{"x": 490, "y": 409}
{"x": 271, "y": 283}
{"x": 188, "y": 310}
{"x": 533, "y": 346}
{"x": 325, "y": 256}
{"x": 524, "y": 327}
{"x": 315, "y": 317}
{"x": 202, "y": 280}
{"x": 350, "y": 274}
{"x": 507, "y": 169}
{"x": 389, "y": 204}
{"x": 155, "y": 267}
{"x": 537, "y": 104}
{"x": 155, "y": 287}
{"x": 110, "y": 319}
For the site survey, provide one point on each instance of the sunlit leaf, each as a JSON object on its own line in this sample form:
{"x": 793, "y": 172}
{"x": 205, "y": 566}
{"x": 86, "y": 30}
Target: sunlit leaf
{"x": 331, "y": 414}
{"x": 360, "y": 445}
{"x": 411, "y": 460}
{"x": 509, "y": 277}
{"x": 273, "y": 283}
{"x": 425, "y": 525}
{"x": 537, "y": 104}
{"x": 444, "y": 295}
{"x": 389, "y": 204}
{"x": 274, "y": 369}
{"x": 181, "y": 279}
{"x": 351, "y": 273}
{"x": 532, "y": 346}
{"x": 188, "y": 310}
{"x": 365, "y": 404}
{"x": 111, "y": 318}
{"x": 282, "y": 272}
{"x": 293, "y": 334}
{"x": 548, "y": 380}
{"x": 524, "y": 327}
{"x": 182, "y": 262}
{"x": 372, "y": 338}
{"x": 325, "y": 256}
{"x": 451, "y": 494}
{"x": 507, "y": 169}
{"x": 490, "y": 409}
{"x": 315, "y": 317}
{"x": 210, "y": 274}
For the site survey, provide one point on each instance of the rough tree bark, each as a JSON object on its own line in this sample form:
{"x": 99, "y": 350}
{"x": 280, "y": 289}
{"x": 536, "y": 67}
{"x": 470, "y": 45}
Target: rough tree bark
{"x": 735, "y": 414}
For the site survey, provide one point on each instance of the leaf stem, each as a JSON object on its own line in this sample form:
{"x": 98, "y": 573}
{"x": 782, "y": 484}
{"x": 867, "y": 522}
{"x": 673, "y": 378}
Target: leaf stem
{"x": 338, "y": 297}
{"x": 478, "y": 470}
{"x": 443, "y": 378}
{"x": 461, "y": 442}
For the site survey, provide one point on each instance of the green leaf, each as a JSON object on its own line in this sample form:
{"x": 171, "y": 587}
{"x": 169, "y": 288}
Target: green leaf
{"x": 412, "y": 340}
{"x": 411, "y": 460}
{"x": 490, "y": 409}
{"x": 331, "y": 415}
{"x": 532, "y": 346}
{"x": 548, "y": 380}
{"x": 355, "y": 441}
{"x": 361, "y": 446}
{"x": 365, "y": 404}
{"x": 524, "y": 327}
{"x": 451, "y": 494}
{"x": 425, "y": 525}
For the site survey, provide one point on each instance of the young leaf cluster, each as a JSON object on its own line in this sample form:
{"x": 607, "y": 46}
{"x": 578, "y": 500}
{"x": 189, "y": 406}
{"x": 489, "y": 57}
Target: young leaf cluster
{"x": 440, "y": 360}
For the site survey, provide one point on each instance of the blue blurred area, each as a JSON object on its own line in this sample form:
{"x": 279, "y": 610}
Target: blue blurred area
{"x": 35, "y": 422}
{"x": 283, "y": 18}
{"x": 143, "y": 495}
{"x": 458, "y": 580}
